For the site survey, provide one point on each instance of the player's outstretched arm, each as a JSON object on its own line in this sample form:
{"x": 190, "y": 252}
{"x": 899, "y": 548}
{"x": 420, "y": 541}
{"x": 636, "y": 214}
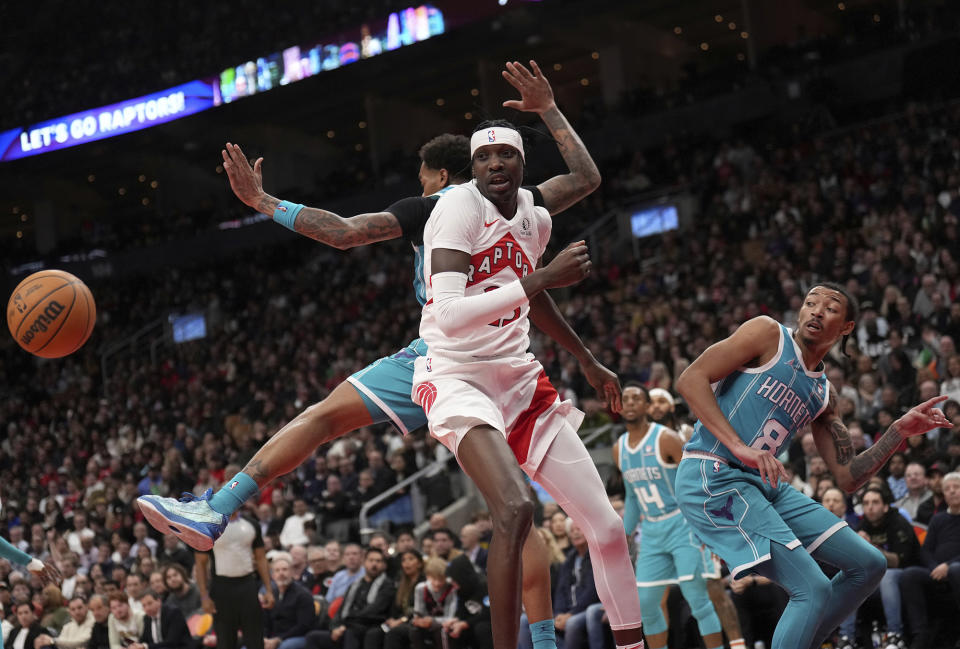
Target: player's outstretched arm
{"x": 755, "y": 340}
{"x": 835, "y": 446}
{"x": 536, "y": 96}
{"x": 246, "y": 181}
{"x": 545, "y": 315}
{"x": 46, "y": 571}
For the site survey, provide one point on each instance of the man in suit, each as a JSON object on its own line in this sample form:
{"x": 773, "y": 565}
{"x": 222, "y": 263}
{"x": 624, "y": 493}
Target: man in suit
{"x": 164, "y": 627}
{"x": 470, "y": 540}
{"x": 28, "y": 628}
{"x": 100, "y": 633}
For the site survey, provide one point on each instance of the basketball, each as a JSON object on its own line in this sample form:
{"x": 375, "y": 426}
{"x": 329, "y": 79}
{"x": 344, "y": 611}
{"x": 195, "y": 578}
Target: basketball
{"x": 51, "y": 313}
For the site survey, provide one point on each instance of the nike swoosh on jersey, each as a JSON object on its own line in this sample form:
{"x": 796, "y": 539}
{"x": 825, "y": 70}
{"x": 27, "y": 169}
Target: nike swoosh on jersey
{"x": 487, "y": 225}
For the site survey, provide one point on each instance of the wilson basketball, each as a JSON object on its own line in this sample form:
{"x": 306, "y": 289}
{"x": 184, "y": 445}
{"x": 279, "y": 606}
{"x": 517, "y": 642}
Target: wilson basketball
{"x": 51, "y": 313}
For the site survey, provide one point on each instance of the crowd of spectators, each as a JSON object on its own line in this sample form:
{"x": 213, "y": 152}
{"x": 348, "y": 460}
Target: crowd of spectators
{"x": 875, "y": 206}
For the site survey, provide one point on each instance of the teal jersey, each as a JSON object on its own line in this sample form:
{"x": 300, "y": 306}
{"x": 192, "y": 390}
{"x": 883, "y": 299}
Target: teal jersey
{"x": 648, "y": 475}
{"x": 766, "y": 405}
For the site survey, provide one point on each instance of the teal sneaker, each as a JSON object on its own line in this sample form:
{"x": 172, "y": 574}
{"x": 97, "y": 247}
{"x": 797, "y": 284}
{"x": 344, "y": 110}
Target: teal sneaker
{"x": 190, "y": 519}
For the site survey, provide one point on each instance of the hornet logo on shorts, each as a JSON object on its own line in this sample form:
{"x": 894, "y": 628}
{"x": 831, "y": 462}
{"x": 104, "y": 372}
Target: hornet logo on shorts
{"x": 491, "y": 136}
{"x": 726, "y": 511}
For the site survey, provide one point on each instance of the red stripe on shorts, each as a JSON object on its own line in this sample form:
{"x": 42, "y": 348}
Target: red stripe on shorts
{"x": 522, "y": 431}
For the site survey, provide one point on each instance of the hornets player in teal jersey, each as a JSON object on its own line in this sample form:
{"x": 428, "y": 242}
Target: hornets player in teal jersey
{"x": 647, "y": 456}
{"x": 381, "y": 391}
{"x": 662, "y": 410}
{"x": 751, "y": 393}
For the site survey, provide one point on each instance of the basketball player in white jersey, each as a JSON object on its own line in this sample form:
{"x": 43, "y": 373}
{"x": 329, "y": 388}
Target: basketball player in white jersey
{"x": 488, "y": 400}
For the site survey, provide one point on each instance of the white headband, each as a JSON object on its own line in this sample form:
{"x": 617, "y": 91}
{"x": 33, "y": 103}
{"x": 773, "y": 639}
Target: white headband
{"x": 497, "y": 135}
{"x": 660, "y": 392}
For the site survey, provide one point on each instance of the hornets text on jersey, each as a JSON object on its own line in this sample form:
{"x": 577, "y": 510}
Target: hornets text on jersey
{"x": 766, "y": 405}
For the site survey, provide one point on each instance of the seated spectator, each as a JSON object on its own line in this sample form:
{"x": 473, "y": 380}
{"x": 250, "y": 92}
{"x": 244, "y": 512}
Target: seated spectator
{"x": 444, "y": 544}
{"x": 936, "y": 503}
{"x": 395, "y": 632}
{"x": 334, "y": 555}
{"x": 125, "y": 625}
{"x": 471, "y": 625}
{"x": 558, "y": 527}
{"x": 434, "y": 603}
{"x": 917, "y": 490}
{"x": 141, "y": 539}
{"x": 298, "y": 562}
{"x": 316, "y": 578}
{"x": 889, "y": 532}
{"x": 164, "y": 627}
{"x": 55, "y": 614}
{"x": 292, "y": 532}
{"x": 68, "y": 572}
{"x": 938, "y": 576}
{"x": 338, "y": 509}
{"x": 156, "y": 583}
{"x": 182, "y": 593}
{"x": 293, "y": 614}
{"x": 24, "y": 635}
{"x": 134, "y": 589}
{"x": 174, "y": 551}
{"x": 896, "y": 480}
{"x": 834, "y": 500}
{"x": 470, "y": 544}
{"x": 100, "y": 633}
{"x": 365, "y": 606}
{"x": 352, "y": 571}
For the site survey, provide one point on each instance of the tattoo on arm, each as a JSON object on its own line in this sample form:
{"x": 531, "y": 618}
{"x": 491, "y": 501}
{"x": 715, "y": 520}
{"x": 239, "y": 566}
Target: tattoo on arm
{"x": 257, "y": 470}
{"x": 334, "y": 230}
{"x": 841, "y": 441}
{"x": 560, "y": 192}
{"x": 869, "y": 462}
{"x": 838, "y": 431}
{"x": 326, "y": 227}
{"x": 268, "y": 205}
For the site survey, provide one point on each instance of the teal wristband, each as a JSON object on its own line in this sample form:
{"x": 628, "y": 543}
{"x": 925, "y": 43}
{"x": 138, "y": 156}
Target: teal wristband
{"x": 286, "y": 214}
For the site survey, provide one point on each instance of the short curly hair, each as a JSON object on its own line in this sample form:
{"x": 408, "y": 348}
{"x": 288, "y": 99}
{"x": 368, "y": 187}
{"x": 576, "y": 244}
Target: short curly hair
{"x": 450, "y": 152}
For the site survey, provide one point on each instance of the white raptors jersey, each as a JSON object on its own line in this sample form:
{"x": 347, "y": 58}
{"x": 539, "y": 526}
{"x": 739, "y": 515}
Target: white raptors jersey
{"x": 501, "y": 251}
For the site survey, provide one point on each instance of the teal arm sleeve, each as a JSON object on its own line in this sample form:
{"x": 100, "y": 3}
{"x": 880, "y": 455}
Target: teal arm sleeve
{"x": 631, "y": 510}
{"x": 8, "y": 551}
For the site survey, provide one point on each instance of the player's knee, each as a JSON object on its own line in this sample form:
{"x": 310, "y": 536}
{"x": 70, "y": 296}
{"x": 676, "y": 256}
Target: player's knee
{"x": 820, "y": 588}
{"x": 700, "y": 605}
{"x": 515, "y": 515}
{"x": 650, "y": 597}
{"x": 606, "y": 528}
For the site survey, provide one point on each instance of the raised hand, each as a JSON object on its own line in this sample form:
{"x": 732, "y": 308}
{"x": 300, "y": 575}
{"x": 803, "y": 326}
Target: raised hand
{"x": 536, "y": 95}
{"x": 923, "y": 418}
{"x": 569, "y": 267}
{"x": 246, "y": 181}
